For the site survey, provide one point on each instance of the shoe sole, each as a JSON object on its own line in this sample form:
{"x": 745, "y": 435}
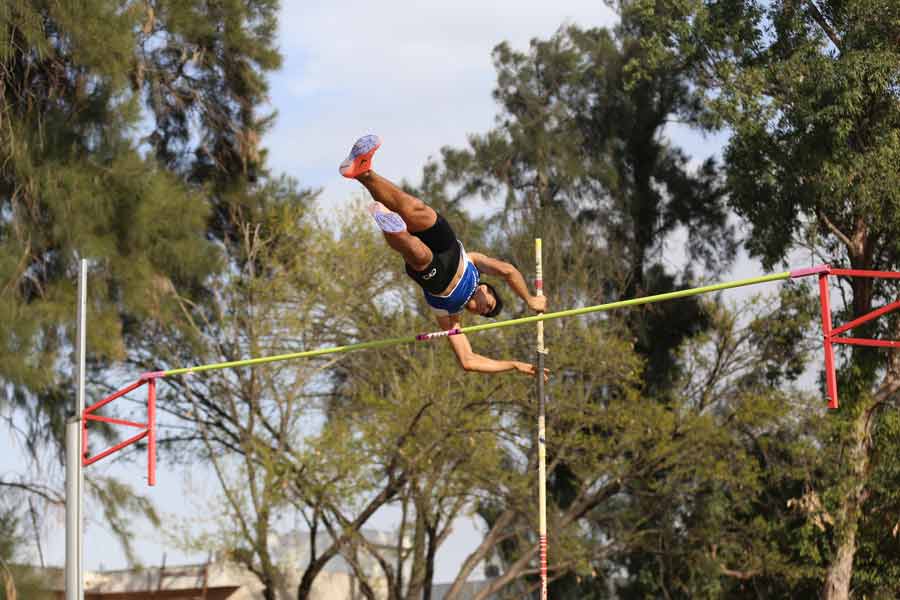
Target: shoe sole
{"x": 360, "y": 158}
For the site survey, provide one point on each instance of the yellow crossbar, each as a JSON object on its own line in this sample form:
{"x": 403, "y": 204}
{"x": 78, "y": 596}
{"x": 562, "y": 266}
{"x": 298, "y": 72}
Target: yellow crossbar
{"x": 483, "y": 327}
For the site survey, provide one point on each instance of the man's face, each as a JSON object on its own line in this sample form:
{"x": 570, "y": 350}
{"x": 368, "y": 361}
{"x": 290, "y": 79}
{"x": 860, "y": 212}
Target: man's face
{"x": 482, "y": 301}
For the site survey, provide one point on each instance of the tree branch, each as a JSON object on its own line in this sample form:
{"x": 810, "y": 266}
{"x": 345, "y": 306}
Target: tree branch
{"x": 38, "y": 490}
{"x": 822, "y": 22}
{"x": 833, "y": 228}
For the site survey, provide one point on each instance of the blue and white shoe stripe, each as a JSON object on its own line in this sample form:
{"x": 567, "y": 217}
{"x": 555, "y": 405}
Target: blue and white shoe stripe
{"x": 390, "y": 222}
{"x": 364, "y": 144}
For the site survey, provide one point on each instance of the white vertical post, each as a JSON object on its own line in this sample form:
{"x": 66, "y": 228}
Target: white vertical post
{"x": 542, "y": 429}
{"x": 74, "y": 470}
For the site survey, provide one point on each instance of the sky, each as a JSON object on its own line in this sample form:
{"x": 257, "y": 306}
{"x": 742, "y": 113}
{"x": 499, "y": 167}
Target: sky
{"x": 419, "y": 74}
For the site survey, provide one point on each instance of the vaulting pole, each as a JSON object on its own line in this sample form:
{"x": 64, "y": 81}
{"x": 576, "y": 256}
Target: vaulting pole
{"x": 542, "y": 429}
{"x": 74, "y": 468}
{"x": 249, "y": 362}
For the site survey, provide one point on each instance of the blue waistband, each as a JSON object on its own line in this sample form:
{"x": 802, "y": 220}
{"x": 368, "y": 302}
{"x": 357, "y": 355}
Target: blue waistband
{"x": 456, "y": 300}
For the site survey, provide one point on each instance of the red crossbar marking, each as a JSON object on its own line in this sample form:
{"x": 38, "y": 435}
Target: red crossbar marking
{"x": 867, "y": 342}
{"x": 810, "y": 271}
{"x": 830, "y": 377}
{"x": 867, "y": 317}
{"x": 115, "y": 421}
{"x": 119, "y": 446}
{"x": 114, "y": 396}
{"x": 866, "y": 273}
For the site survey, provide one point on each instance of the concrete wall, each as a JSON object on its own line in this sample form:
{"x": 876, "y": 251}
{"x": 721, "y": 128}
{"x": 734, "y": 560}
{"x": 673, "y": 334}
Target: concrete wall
{"x": 221, "y": 581}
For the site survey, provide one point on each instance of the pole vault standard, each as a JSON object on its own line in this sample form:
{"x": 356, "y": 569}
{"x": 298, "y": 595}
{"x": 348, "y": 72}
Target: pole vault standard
{"x": 74, "y": 467}
{"x": 542, "y": 424}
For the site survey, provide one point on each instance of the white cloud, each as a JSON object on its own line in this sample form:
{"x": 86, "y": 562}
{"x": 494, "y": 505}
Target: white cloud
{"x": 420, "y": 74}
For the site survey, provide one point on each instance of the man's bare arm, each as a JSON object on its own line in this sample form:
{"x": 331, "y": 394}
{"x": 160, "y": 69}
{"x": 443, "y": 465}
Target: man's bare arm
{"x": 514, "y": 278}
{"x": 470, "y": 361}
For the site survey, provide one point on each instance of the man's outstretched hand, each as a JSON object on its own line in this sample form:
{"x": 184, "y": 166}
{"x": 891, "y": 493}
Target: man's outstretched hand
{"x": 538, "y": 303}
{"x": 528, "y": 369}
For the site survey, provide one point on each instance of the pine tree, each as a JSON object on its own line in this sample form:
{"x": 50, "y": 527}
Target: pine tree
{"x": 73, "y": 184}
{"x": 16, "y": 581}
{"x": 79, "y": 83}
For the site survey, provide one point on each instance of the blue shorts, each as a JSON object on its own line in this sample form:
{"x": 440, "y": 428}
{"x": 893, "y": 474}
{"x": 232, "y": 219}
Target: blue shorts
{"x": 455, "y": 301}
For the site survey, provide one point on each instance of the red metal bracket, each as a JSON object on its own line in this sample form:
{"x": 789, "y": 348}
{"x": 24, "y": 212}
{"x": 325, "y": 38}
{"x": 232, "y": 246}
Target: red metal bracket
{"x": 148, "y": 429}
{"x": 833, "y": 335}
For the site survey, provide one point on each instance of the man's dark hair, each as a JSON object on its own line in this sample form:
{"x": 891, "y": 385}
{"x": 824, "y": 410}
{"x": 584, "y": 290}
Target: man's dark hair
{"x": 498, "y": 305}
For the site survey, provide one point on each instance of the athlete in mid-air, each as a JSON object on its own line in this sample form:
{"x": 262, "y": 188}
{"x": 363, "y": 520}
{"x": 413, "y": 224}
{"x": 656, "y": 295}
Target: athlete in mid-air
{"x": 437, "y": 261}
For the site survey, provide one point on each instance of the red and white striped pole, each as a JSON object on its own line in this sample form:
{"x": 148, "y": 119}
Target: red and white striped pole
{"x": 542, "y": 433}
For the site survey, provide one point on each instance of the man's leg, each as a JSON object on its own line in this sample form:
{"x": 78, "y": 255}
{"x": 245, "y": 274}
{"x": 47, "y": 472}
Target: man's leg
{"x": 358, "y": 165}
{"x": 416, "y": 254}
{"x": 417, "y": 215}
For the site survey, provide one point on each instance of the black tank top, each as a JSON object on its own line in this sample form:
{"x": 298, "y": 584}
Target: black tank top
{"x": 440, "y": 272}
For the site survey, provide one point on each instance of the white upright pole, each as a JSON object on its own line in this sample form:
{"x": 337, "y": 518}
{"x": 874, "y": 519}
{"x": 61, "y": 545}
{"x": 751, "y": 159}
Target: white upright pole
{"x": 74, "y": 471}
{"x": 542, "y": 428}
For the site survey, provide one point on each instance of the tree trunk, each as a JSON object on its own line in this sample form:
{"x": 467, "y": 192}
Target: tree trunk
{"x": 837, "y": 581}
{"x": 840, "y": 571}
{"x": 315, "y": 566}
{"x": 486, "y": 546}
{"x": 846, "y": 525}
{"x": 429, "y": 563}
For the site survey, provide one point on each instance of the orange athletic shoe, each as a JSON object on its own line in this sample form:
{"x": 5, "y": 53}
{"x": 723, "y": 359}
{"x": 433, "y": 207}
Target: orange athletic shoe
{"x": 360, "y": 159}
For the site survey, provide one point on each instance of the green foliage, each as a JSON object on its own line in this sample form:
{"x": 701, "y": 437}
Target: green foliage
{"x": 812, "y": 97}
{"x": 816, "y": 119}
{"x": 203, "y": 68}
{"x": 875, "y": 569}
{"x": 264, "y": 429}
{"x": 682, "y": 462}
{"x": 72, "y": 184}
{"x": 9, "y": 534}
{"x": 16, "y": 581}
{"x": 810, "y": 91}
{"x": 79, "y": 83}
{"x": 738, "y": 527}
